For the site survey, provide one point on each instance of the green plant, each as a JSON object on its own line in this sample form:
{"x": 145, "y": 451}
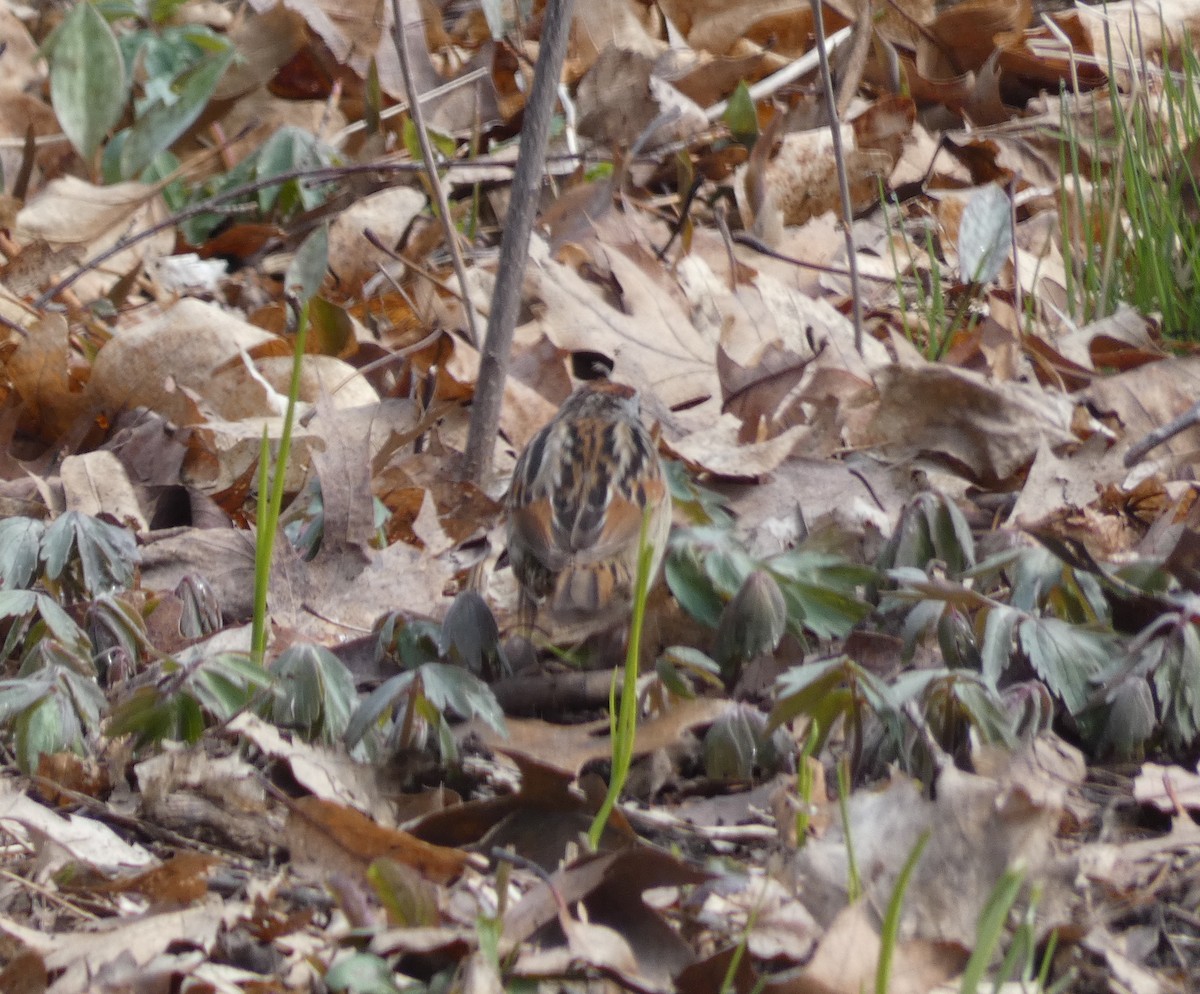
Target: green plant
{"x": 170, "y": 71}
{"x": 623, "y": 721}
{"x": 188, "y": 696}
{"x": 54, "y": 700}
{"x": 753, "y": 602}
{"x": 984, "y": 242}
{"x": 890, "y": 932}
{"x": 313, "y": 693}
{"x": 409, "y": 708}
{"x": 303, "y": 278}
{"x": 287, "y": 154}
{"x": 1129, "y": 222}
{"x": 853, "y": 880}
{"x": 806, "y": 784}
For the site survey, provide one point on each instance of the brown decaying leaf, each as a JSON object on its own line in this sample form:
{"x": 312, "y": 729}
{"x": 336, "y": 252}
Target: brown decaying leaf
{"x": 46, "y": 372}
{"x": 570, "y": 748}
{"x": 988, "y": 431}
{"x": 324, "y": 835}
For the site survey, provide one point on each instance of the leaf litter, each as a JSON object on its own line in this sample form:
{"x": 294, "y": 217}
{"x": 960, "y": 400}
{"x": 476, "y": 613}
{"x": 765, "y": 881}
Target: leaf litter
{"x": 172, "y": 837}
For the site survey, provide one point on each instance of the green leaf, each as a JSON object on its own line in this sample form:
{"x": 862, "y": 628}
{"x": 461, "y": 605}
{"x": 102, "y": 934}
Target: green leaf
{"x": 88, "y": 87}
{"x": 801, "y": 688}
{"x": 361, "y": 973}
{"x": 1069, "y": 658}
{"x": 950, "y": 533}
{"x": 996, "y": 651}
{"x": 41, "y": 729}
{"x": 470, "y": 636}
{"x": 449, "y": 687}
{"x": 752, "y": 623}
{"x": 442, "y": 143}
{"x": 151, "y": 717}
{"x": 1130, "y": 720}
{"x": 740, "y": 116}
{"x": 412, "y": 643}
{"x": 985, "y": 711}
{"x": 821, "y": 590}
{"x": 115, "y": 628}
{"x": 1177, "y": 685}
{"x": 411, "y": 900}
{"x": 990, "y": 928}
{"x": 307, "y": 271}
{"x": 314, "y": 692}
{"x": 20, "y": 542}
{"x": 157, "y": 129}
{"x": 739, "y": 746}
{"x": 18, "y": 694}
{"x": 984, "y": 234}
{"x": 161, "y": 11}
{"x": 226, "y": 683}
{"x": 691, "y": 586}
{"x": 25, "y": 605}
{"x": 286, "y": 151}
{"x": 107, "y": 554}
{"x": 380, "y": 701}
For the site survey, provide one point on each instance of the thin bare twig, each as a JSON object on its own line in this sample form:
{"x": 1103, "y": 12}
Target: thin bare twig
{"x": 788, "y": 74}
{"x": 839, "y": 155}
{"x": 431, "y": 168}
{"x": 1188, "y": 419}
{"x": 514, "y": 245}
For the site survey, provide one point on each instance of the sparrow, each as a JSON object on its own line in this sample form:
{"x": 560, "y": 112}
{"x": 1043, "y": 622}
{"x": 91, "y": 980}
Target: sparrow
{"x": 575, "y": 507}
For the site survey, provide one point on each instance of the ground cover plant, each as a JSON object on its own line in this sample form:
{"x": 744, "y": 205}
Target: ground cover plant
{"x": 912, "y": 703}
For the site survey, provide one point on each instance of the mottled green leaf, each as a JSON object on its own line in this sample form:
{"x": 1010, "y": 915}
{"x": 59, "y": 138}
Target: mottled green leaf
{"x": 158, "y": 127}
{"x": 88, "y": 86}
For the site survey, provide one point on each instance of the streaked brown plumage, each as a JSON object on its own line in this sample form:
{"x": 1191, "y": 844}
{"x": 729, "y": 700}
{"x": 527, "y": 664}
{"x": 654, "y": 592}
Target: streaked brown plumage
{"x": 576, "y": 502}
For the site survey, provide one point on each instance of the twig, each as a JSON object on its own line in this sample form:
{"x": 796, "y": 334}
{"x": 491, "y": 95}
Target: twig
{"x": 788, "y": 74}
{"x": 839, "y": 156}
{"x": 49, "y": 895}
{"x": 339, "y": 139}
{"x": 326, "y": 174}
{"x": 1188, "y": 419}
{"x": 762, "y": 248}
{"x": 514, "y": 245}
{"x": 431, "y": 169}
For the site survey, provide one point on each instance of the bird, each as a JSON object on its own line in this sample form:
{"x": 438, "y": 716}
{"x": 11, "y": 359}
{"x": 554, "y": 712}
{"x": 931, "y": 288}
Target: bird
{"x": 575, "y": 506}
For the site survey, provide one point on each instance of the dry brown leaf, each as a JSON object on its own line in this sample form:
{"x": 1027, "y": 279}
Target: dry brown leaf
{"x": 715, "y": 26}
{"x": 386, "y": 214}
{"x": 1142, "y": 399}
{"x": 1167, "y": 788}
{"x": 217, "y": 798}
{"x": 265, "y": 41}
{"x": 223, "y": 556}
{"x": 46, "y": 374}
{"x": 617, "y": 24}
{"x": 320, "y": 600}
{"x": 962, "y": 38}
{"x": 720, "y": 450}
{"x": 96, "y": 483}
{"x": 324, "y": 835}
{"x": 986, "y": 431}
{"x": 801, "y": 183}
{"x": 20, "y": 54}
{"x": 86, "y": 840}
{"x": 192, "y": 346}
{"x": 980, "y": 825}
{"x": 1059, "y": 490}
{"x": 85, "y": 954}
{"x": 568, "y": 748}
{"x": 329, "y": 774}
{"x": 655, "y": 345}
{"x": 71, "y": 211}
